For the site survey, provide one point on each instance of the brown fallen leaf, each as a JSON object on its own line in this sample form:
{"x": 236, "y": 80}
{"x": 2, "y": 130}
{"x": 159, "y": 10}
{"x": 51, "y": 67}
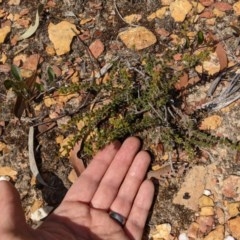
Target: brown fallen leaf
{"x": 182, "y": 82}
{"x": 72, "y": 176}
{"x": 32, "y": 62}
{"x": 36, "y": 205}
{"x": 76, "y": 162}
{"x": 222, "y": 56}
{"x": 22, "y": 103}
{"x": 4, "y": 148}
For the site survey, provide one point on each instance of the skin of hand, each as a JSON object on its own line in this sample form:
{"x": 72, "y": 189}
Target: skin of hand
{"x": 114, "y": 180}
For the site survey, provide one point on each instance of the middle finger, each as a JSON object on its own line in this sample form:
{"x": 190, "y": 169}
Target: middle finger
{"x": 115, "y": 174}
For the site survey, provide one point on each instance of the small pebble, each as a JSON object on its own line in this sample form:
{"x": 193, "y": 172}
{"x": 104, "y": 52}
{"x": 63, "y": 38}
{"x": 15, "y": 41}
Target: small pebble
{"x": 4, "y": 178}
{"x": 183, "y": 236}
{"x": 207, "y": 192}
{"x": 229, "y": 238}
{"x": 41, "y": 213}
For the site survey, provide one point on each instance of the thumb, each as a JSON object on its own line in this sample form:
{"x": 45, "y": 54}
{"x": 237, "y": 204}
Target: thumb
{"x": 13, "y": 219}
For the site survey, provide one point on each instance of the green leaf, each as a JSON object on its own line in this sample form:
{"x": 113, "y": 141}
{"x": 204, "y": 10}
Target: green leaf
{"x": 39, "y": 87}
{"x": 15, "y": 71}
{"x": 200, "y": 37}
{"x": 9, "y": 84}
{"x": 187, "y": 43}
{"x": 33, "y": 28}
{"x": 51, "y": 74}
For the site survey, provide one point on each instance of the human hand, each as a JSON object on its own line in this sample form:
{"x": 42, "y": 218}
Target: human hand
{"x": 113, "y": 181}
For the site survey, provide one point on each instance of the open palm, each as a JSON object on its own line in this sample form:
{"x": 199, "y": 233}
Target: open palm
{"x": 114, "y": 180}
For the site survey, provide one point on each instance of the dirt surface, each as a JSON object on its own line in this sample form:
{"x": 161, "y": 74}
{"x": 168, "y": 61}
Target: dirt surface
{"x": 171, "y": 168}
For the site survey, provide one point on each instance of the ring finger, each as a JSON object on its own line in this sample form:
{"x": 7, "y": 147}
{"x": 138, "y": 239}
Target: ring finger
{"x": 131, "y": 184}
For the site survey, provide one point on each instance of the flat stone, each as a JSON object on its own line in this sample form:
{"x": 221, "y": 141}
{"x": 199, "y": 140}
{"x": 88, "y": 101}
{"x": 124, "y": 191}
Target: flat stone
{"x": 212, "y": 65}
{"x": 179, "y": 9}
{"x": 205, "y": 201}
{"x": 233, "y": 208}
{"x": 192, "y": 188}
{"x": 236, "y": 8}
{"x": 193, "y": 231}
{"x": 199, "y": 6}
{"x": 211, "y": 122}
{"x": 162, "y": 231}
{"x": 160, "y": 13}
{"x": 133, "y": 18}
{"x": 216, "y": 234}
{"x": 207, "y": 211}
{"x": 234, "y": 228}
{"x": 137, "y": 38}
{"x": 230, "y": 188}
{"x": 206, "y": 223}
{"x": 96, "y": 48}
{"x": 206, "y": 3}
{"x": 4, "y": 32}
{"x": 61, "y": 36}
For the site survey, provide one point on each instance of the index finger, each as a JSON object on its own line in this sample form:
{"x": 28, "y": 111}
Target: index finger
{"x": 85, "y": 186}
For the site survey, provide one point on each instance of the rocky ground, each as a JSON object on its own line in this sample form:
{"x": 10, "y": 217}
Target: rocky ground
{"x": 57, "y": 43}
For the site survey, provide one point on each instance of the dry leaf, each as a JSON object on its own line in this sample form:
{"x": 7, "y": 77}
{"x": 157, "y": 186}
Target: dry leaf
{"x": 72, "y": 176}
{"x": 63, "y": 142}
{"x": 76, "y": 162}
{"x": 32, "y": 161}
{"x": 182, "y": 82}
{"x": 65, "y": 98}
{"x": 3, "y": 58}
{"x": 3, "y": 148}
{"x": 85, "y": 20}
{"x": 36, "y": 205}
{"x": 7, "y": 171}
{"x": 33, "y": 28}
{"x": 5, "y": 68}
{"x": 222, "y": 56}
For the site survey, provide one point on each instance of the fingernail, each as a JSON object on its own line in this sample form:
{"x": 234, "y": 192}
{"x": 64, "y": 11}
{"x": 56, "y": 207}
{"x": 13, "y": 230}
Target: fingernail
{"x": 4, "y": 178}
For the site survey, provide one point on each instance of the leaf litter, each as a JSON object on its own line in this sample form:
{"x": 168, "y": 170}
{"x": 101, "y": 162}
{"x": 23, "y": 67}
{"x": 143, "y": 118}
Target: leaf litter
{"x": 201, "y": 34}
